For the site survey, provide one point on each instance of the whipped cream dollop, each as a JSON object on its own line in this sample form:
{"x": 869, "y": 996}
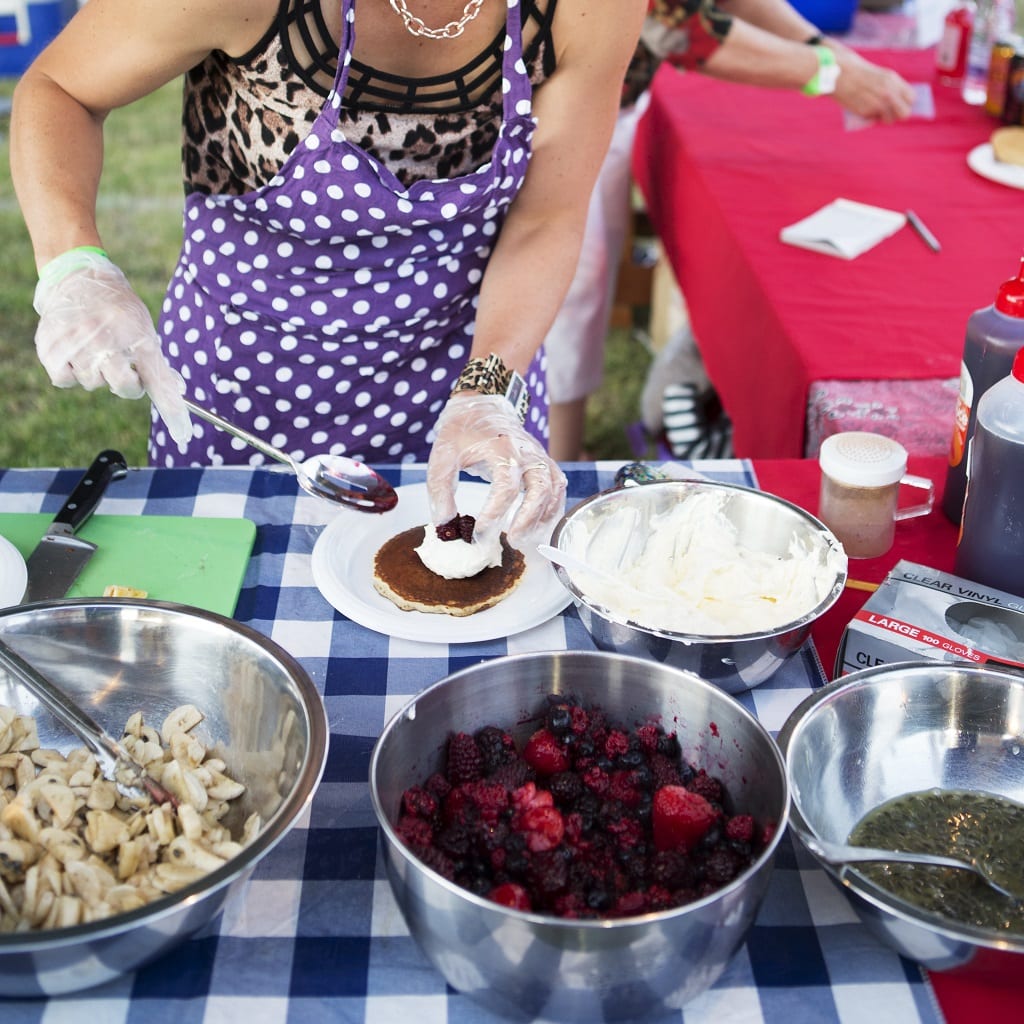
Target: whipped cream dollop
{"x": 457, "y": 559}
{"x": 693, "y": 575}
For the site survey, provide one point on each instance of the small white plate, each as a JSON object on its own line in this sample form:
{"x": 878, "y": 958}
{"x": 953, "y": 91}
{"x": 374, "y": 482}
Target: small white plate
{"x": 13, "y": 574}
{"x": 982, "y": 161}
{"x": 342, "y": 566}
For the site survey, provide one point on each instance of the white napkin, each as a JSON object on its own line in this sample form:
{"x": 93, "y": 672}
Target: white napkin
{"x": 844, "y": 228}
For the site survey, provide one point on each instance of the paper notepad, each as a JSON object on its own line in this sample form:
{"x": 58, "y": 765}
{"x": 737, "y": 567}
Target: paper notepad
{"x": 844, "y": 228}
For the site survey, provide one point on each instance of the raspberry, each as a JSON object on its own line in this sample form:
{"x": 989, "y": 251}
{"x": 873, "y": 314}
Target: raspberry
{"x": 545, "y": 754}
{"x": 648, "y": 737}
{"x": 596, "y": 780}
{"x": 624, "y": 788}
{"x": 511, "y": 895}
{"x": 740, "y": 828}
{"x": 415, "y": 831}
{"x": 616, "y": 744}
{"x": 465, "y": 762}
{"x": 491, "y": 800}
{"x": 419, "y": 803}
{"x": 681, "y": 818}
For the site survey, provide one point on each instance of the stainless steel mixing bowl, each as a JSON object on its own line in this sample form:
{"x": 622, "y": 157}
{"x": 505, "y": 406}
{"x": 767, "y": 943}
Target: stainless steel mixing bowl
{"x": 263, "y": 714}
{"x": 524, "y": 964}
{"x": 879, "y": 733}
{"x": 592, "y": 530}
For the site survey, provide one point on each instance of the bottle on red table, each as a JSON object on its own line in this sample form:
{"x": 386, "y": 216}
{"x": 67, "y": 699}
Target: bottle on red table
{"x": 995, "y": 334}
{"x": 993, "y": 20}
{"x": 991, "y": 546}
{"x": 951, "y": 51}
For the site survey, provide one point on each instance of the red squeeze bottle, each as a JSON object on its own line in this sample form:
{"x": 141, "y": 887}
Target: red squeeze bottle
{"x": 994, "y": 336}
{"x": 951, "y": 51}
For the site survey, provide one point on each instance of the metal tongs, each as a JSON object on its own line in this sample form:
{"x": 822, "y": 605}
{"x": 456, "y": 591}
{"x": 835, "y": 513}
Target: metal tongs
{"x": 115, "y": 763}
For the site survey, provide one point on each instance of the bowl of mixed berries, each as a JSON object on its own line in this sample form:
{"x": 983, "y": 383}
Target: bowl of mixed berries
{"x": 578, "y": 835}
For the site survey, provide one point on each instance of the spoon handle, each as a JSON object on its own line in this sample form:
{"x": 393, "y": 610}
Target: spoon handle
{"x": 111, "y": 756}
{"x": 251, "y": 439}
{"x": 836, "y": 853}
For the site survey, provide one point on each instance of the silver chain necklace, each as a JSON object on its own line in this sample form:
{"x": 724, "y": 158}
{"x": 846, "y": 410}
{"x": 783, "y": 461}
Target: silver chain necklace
{"x": 415, "y": 26}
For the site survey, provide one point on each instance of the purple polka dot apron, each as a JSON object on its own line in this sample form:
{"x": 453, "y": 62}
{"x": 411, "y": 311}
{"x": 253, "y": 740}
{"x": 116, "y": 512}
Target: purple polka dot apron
{"x": 332, "y": 309}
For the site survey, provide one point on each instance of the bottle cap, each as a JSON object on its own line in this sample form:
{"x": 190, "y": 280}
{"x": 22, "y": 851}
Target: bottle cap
{"x": 859, "y": 459}
{"x": 1018, "y": 366}
{"x": 1010, "y": 297}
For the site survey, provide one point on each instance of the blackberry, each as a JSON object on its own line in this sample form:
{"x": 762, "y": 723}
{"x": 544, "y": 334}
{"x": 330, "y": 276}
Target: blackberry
{"x": 668, "y": 745}
{"x": 548, "y": 874}
{"x": 512, "y": 775}
{"x": 457, "y": 528}
{"x": 706, "y": 786}
{"x": 566, "y": 788}
{"x": 436, "y": 860}
{"x": 496, "y": 748}
{"x": 455, "y": 841}
{"x": 465, "y": 762}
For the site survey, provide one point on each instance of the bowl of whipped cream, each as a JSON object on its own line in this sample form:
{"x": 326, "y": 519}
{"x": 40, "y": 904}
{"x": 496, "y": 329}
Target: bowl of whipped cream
{"x": 718, "y": 579}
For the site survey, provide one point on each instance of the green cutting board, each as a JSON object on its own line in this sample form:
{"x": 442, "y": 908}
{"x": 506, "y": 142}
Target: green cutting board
{"x": 195, "y": 561}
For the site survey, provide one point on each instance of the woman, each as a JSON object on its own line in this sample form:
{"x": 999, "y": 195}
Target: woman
{"x": 383, "y": 204}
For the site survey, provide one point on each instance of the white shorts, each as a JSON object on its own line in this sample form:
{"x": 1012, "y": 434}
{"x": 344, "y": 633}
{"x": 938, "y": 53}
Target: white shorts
{"x": 575, "y": 343}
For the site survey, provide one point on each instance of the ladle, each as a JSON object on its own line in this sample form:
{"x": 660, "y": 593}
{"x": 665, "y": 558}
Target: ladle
{"x": 113, "y": 759}
{"x": 838, "y": 854}
{"x": 334, "y": 478}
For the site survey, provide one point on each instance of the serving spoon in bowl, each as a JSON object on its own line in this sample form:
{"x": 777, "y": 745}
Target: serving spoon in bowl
{"x": 334, "y": 478}
{"x": 839, "y": 854}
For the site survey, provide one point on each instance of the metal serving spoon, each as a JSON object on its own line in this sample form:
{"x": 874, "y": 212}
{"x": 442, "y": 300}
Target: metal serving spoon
{"x": 838, "y": 854}
{"x": 113, "y": 759}
{"x": 334, "y": 478}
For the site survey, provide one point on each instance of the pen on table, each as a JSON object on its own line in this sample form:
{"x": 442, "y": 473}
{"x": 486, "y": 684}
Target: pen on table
{"x": 918, "y": 225}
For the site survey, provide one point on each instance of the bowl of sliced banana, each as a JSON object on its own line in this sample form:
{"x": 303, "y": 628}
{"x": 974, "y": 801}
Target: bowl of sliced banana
{"x": 100, "y": 875}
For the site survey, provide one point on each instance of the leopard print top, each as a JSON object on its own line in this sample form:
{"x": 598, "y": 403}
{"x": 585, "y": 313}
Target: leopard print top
{"x": 242, "y": 117}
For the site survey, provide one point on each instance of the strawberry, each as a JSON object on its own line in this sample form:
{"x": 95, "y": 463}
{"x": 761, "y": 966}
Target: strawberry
{"x": 510, "y": 895}
{"x": 680, "y": 818}
{"x": 543, "y": 827}
{"x": 544, "y": 754}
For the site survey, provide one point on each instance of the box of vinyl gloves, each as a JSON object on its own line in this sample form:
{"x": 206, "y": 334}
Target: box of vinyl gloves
{"x": 922, "y": 613}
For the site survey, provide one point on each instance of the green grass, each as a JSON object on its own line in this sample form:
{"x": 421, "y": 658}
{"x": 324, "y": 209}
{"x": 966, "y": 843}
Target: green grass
{"x": 139, "y": 214}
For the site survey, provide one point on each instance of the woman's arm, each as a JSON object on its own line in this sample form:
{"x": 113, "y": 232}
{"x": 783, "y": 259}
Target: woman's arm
{"x": 535, "y": 257}
{"x": 111, "y": 53}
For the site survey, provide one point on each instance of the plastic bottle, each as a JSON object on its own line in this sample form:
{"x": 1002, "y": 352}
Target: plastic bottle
{"x": 993, "y": 19}
{"x": 951, "y": 51}
{"x": 994, "y": 336}
{"x": 991, "y": 547}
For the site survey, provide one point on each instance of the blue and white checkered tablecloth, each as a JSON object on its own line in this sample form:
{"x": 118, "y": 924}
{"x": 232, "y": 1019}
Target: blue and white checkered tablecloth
{"x": 316, "y": 935}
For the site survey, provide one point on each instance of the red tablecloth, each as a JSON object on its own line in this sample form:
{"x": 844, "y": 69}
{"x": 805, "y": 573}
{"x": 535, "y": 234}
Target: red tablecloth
{"x": 929, "y": 540}
{"x": 724, "y": 168}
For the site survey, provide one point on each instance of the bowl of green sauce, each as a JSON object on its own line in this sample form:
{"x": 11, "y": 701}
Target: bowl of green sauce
{"x": 926, "y": 757}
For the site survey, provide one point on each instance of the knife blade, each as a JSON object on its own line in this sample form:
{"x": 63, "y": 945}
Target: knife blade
{"x": 60, "y": 556}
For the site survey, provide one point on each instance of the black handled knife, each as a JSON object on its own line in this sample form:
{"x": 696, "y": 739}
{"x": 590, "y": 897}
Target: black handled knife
{"x": 60, "y": 556}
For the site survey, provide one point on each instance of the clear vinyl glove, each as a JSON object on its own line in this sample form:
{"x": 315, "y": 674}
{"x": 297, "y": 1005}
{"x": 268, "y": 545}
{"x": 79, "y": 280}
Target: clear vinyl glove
{"x": 94, "y": 330}
{"x": 482, "y": 435}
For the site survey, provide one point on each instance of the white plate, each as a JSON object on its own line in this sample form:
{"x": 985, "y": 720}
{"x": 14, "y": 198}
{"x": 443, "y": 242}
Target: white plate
{"x": 982, "y": 161}
{"x": 343, "y": 572}
{"x": 13, "y": 574}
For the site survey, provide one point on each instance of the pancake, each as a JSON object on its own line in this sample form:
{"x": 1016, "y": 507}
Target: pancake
{"x": 1008, "y": 144}
{"x": 400, "y": 575}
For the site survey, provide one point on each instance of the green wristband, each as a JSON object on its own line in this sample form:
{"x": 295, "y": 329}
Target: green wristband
{"x": 62, "y": 265}
{"x": 824, "y": 80}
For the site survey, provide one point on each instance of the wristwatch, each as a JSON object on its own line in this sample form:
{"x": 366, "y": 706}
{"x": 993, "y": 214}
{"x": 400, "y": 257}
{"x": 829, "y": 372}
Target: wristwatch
{"x": 491, "y": 376}
{"x": 824, "y": 81}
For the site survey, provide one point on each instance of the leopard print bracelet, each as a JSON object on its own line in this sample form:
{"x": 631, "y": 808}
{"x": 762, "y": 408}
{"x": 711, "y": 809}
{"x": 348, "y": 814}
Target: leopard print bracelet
{"x": 491, "y": 376}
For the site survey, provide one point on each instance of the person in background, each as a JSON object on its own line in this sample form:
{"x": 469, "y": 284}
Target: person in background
{"x": 373, "y": 190}
{"x": 756, "y": 42}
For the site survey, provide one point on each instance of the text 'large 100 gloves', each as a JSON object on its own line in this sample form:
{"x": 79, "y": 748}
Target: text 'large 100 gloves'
{"x": 94, "y": 330}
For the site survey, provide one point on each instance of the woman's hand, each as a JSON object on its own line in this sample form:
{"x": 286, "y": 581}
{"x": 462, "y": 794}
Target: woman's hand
{"x": 94, "y": 330}
{"x": 482, "y": 435}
